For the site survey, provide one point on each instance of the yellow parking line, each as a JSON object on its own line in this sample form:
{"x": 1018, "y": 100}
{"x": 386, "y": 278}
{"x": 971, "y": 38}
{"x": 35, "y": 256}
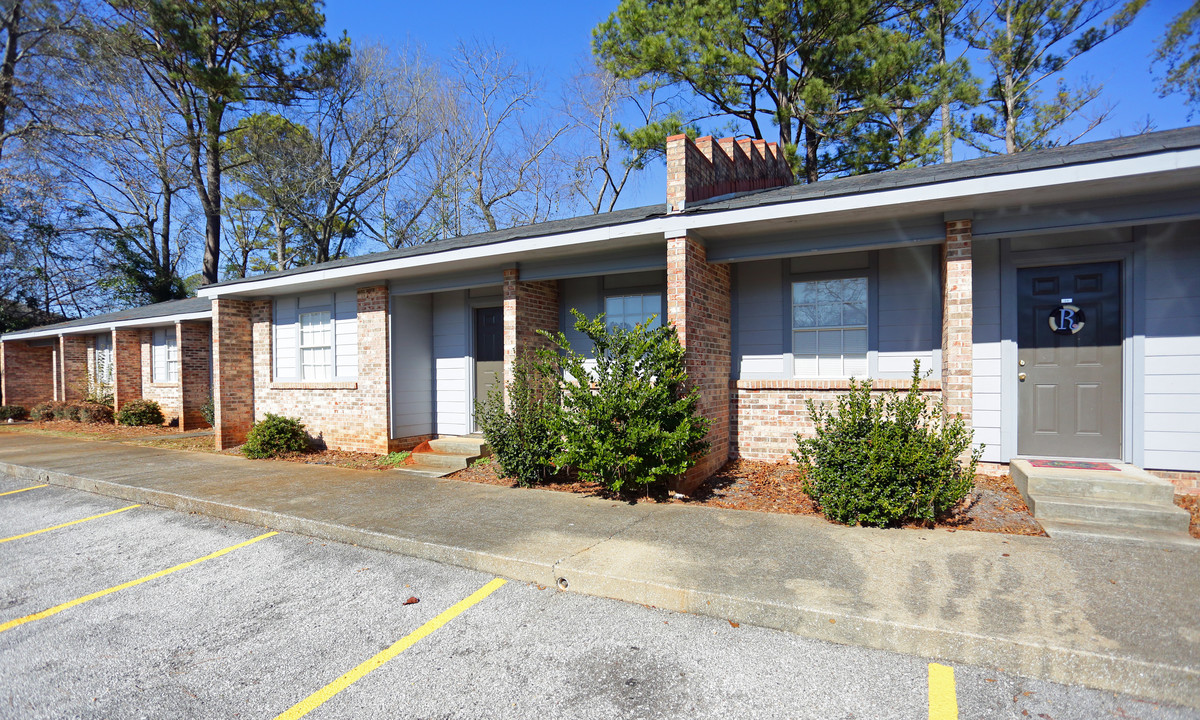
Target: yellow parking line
{"x": 943, "y": 702}
{"x": 86, "y": 598}
{"x": 67, "y": 524}
{"x": 14, "y": 492}
{"x": 315, "y": 700}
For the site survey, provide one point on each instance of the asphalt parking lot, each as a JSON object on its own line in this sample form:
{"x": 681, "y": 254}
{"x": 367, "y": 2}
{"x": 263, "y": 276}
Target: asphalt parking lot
{"x": 121, "y": 612}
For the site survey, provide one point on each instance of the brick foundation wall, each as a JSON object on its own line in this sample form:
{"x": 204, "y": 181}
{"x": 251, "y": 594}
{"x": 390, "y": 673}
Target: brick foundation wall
{"x": 529, "y": 306}
{"x": 957, "y": 317}
{"x": 166, "y": 394}
{"x": 1186, "y": 482}
{"x": 73, "y": 354}
{"x": 698, "y": 305}
{"x": 26, "y": 373}
{"x": 233, "y": 370}
{"x": 127, "y": 367}
{"x": 767, "y": 414}
{"x": 340, "y": 415}
{"x": 195, "y": 346}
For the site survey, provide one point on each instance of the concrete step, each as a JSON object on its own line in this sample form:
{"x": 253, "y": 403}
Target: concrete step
{"x": 1129, "y": 483}
{"x": 464, "y": 445}
{"x": 1107, "y": 533}
{"x": 1125, "y": 514}
{"x": 447, "y": 462}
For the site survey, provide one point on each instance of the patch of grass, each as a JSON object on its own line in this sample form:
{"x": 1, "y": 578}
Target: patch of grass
{"x": 485, "y": 460}
{"x": 394, "y": 459}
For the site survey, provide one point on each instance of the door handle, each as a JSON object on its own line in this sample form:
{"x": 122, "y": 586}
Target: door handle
{"x": 1021, "y": 377}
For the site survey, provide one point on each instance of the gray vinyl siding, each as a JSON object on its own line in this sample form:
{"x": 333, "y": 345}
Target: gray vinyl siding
{"x": 986, "y": 345}
{"x": 412, "y": 365}
{"x": 1172, "y": 347}
{"x": 904, "y": 300}
{"x": 451, "y": 363}
{"x": 909, "y": 304}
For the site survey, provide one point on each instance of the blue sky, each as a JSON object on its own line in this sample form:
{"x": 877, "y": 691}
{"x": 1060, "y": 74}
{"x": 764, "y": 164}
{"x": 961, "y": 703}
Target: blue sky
{"x": 554, "y": 37}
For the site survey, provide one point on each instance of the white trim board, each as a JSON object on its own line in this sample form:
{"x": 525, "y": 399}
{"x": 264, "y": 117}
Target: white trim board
{"x": 109, "y": 326}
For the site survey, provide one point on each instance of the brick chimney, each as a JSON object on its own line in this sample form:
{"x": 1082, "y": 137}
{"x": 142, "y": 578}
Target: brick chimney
{"x": 708, "y": 168}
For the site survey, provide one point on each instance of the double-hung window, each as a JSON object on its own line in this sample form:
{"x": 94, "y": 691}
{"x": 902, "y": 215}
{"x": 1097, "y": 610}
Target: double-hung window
{"x": 316, "y": 337}
{"x": 829, "y": 328}
{"x": 102, "y": 363}
{"x": 625, "y": 311}
{"x": 316, "y": 345}
{"x": 164, "y": 354}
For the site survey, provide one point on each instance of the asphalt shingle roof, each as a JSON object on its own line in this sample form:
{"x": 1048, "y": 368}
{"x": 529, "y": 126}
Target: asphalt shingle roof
{"x": 162, "y": 309}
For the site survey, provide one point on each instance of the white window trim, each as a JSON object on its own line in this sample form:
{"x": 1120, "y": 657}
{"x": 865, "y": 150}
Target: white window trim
{"x": 336, "y": 373}
{"x": 103, "y": 359}
{"x": 329, "y": 331}
{"x": 865, "y": 327}
{"x": 170, "y": 364}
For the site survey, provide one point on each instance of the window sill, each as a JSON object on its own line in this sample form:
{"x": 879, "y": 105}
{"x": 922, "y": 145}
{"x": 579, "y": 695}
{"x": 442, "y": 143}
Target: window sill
{"x": 828, "y": 384}
{"x": 315, "y": 385}
{"x": 165, "y": 384}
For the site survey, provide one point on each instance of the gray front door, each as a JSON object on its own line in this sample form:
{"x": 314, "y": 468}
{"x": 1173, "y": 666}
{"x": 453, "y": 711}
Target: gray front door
{"x": 1069, "y": 352}
{"x": 489, "y": 350}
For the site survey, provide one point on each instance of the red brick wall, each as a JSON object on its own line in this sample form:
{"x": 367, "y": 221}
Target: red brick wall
{"x": 127, "y": 366}
{"x": 74, "y": 371}
{"x": 195, "y": 346}
{"x": 233, "y": 369}
{"x": 166, "y": 394}
{"x": 26, "y": 373}
{"x": 767, "y": 414}
{"x": 529, "y": 306}
{"x": 698, "y": 305}
{"x": 341, "y": 415}
{"x": 707, "y": 168}
{"x": 956, "y": 320}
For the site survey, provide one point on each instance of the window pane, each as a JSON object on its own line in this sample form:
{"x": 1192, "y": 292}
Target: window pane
{"x": 829, "y": 315}
{"x": 838, "y": 308}
{"x": 829, "y": 342}
{"x": 804, "y": 343}
{"x": 613, "y": 309}
{"x": 854, "y": 314}
{"x": 854, "y": 341}
{"x": 829, "y": 365}
{"x": 804, "y": 316}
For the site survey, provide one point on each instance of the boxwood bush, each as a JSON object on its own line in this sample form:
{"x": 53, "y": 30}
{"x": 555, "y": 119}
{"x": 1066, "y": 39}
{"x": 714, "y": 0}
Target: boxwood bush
{"x": 43, "y": 411}
{"x": 275, "y": 435}
{"x": 886, "y": 459}
{"x": 140, "y": 412}
{"x": 524, "y": 436}
{"x": 95, "y": 413}
{"x": 12, "y": 412}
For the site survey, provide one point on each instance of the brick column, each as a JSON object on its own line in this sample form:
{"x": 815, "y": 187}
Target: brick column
{"x": 27, "y": 373}
{"x": 529, "y": 306}
{"x": 195, "y": 386}
{"x": 73, "y": 354}
{"x": 127, "y": 367}
{"x": 374, "y": 367}
{"x": 957, "y": 319}
{"x": 698, "y": 305}
{"x": 233, "y": 371}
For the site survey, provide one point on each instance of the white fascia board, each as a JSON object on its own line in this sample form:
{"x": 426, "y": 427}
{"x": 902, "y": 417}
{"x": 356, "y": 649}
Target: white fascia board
{"x": 949, "y": 190}
{"x": 101, "y": 327}
{"x": 675, "y": 225}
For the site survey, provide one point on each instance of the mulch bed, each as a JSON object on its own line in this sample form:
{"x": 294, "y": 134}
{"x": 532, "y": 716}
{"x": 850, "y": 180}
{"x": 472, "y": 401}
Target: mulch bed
{"x": 1191, "y": 503}
{"x": 101, "y": 431}
{"x": 993, "y": 506}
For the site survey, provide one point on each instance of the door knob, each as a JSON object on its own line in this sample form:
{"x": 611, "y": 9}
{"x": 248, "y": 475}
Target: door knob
{"x": 1021, "y": 363}
{"x": 1021, "y": 377}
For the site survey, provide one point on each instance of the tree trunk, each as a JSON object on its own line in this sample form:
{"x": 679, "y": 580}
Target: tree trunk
{"x": 11, "y": 25}
{"x": 280, "y": 243}
{"x": 212, "y": 206}
{"x": 811, "y": 142}
{"x": 1010, "y": 120}
{"x": 947, "y": 130}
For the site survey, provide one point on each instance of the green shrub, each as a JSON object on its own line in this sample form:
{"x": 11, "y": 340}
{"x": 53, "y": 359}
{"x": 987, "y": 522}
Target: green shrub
{"x": 12, "y": 412}
{"x": 95, "y": 413}
{"x": 140, "y": 412}
{"x": 74, "y": 412}
{"x": 886, "y": 459}
{"x": 631, "y": 419}
{"x": 525, "y": 436}
{"x": 61, "y": 411}
{"x": 275, "y": 435}
{"x": 209, "y": 411}
{"x": 44, "y": 411}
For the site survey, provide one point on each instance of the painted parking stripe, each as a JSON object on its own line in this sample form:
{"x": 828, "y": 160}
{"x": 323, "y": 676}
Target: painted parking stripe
{"x": 943, "y": 701}
{"x": 14, "y": 492}
{"x": 123, "y": 586}
{"x": 68, "y": 524}
{"x": 315, "y": 700}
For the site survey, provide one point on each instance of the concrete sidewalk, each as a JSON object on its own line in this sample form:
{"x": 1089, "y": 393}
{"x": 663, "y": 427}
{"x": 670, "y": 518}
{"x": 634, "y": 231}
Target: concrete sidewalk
{"x": 1105, "y": 615}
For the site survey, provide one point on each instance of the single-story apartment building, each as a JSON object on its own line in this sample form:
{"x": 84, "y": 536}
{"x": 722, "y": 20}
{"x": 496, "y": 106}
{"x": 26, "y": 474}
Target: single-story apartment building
{"x": 1052, "y": 295}
{"x": 158, "y": 352}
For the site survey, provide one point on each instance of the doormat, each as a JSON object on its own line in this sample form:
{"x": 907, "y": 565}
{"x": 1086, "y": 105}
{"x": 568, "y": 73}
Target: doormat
{"x": 1073, "y": 465}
